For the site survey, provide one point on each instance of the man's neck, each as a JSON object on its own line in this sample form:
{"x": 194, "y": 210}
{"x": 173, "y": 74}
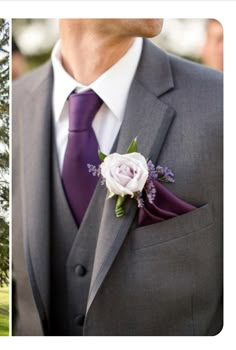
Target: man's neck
{"x": 86, "y": 56}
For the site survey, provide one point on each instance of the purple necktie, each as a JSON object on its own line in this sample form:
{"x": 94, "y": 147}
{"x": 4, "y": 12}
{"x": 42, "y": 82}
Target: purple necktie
{"x": 82, "y": 149}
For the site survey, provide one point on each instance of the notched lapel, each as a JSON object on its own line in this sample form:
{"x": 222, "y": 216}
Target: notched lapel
{"x": 149, "y": 119}
{"x": 36, "y": 124}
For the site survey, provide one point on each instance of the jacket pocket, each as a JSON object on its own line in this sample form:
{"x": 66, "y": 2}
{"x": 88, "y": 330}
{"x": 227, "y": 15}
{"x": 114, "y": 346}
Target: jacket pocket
{"x": 180, "y": 226}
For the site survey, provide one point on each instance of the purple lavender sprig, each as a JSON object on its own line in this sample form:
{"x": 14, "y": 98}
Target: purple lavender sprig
{"x": 164, "y": 174}
{"x": 96, "y": 171}
{"x": 150, "y": 191}
{"x": 149, "y": 187}
{"x": 140, "y": 200}
{"x": 152, "y": 173}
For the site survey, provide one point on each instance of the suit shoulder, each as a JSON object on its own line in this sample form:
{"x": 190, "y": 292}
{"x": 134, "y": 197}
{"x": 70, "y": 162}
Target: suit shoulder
{"x": 198, "y": 85}
{"x": 193, "y": 74}
{"x": 31, "y": 81}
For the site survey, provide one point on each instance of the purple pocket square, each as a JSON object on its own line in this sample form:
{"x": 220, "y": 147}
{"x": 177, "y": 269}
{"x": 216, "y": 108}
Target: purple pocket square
{"x": 165, "y": 206}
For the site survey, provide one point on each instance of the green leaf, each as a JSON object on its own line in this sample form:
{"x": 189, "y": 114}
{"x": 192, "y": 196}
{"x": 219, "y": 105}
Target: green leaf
{"x": 101, "y": 155}
{"x": 110, "y": 195}
{"x": 133, "y": 147}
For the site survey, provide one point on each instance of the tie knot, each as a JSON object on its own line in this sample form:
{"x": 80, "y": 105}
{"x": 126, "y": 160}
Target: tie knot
{"x": 82, "y": 109}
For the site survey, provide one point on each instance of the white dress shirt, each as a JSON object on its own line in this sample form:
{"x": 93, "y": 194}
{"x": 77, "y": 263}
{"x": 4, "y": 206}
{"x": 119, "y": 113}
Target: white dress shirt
{"x": 112, "y": 87}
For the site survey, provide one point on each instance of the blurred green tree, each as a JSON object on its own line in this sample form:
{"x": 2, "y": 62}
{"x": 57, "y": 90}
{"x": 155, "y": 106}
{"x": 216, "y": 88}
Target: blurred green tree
{"x": 4, "y": 151}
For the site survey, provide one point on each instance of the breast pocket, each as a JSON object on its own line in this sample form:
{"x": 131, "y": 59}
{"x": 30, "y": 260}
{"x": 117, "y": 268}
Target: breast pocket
{"x": 180, "y": 226}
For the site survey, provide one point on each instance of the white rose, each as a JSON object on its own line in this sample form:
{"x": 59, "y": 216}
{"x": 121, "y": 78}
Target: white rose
{"x": 124, "y": 173}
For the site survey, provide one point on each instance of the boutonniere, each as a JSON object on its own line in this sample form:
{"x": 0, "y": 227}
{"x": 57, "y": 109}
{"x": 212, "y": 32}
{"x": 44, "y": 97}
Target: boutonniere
{"x": 131, "y": 175}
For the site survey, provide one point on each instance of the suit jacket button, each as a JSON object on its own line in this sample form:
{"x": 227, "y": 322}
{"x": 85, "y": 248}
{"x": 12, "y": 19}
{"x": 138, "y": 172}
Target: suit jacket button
{"x": 80, "y": 270}
{"x": 79, "y": 320}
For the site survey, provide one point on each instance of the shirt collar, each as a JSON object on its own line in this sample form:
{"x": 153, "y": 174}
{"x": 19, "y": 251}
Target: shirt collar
{"x": 112, "y": 86}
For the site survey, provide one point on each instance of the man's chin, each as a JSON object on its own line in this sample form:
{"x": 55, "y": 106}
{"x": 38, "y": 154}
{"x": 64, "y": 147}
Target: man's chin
{"x": 151, "y": 27}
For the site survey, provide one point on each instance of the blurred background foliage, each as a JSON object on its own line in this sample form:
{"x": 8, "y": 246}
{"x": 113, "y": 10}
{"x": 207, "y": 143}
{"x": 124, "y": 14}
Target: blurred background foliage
{"x": 4, "y": 151}
{"x": 4, "y": 177}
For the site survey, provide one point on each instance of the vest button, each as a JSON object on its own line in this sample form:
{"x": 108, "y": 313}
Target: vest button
{"x": 80, "y": 270}
{"x": 79, "y": 320}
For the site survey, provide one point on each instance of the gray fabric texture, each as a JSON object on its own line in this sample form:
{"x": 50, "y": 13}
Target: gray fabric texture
{"x": 162, "y": 279}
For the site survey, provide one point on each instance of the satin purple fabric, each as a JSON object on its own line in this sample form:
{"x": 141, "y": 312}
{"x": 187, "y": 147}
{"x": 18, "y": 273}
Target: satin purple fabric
{"x": 166, "y": 206}
{"x": 82, "y": 149}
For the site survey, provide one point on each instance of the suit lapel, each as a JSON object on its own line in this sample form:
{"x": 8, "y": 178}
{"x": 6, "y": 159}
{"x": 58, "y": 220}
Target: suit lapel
{"x": 148, "y": 118}
{"x": 36, "y": 124}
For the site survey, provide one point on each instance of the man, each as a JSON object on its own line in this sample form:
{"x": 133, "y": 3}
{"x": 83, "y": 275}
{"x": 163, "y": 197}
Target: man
{"x": 79, "y": 269}
{"x": 19, "y": 64}
{"x": 212, "y": 51}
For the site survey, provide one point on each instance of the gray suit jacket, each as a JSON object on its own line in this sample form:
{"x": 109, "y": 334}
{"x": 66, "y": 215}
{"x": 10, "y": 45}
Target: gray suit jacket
{"x": 162, "y": 279}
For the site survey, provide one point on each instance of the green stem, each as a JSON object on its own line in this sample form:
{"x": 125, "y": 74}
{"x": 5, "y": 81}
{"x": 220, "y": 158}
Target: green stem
{"x": 119, "y": 209}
